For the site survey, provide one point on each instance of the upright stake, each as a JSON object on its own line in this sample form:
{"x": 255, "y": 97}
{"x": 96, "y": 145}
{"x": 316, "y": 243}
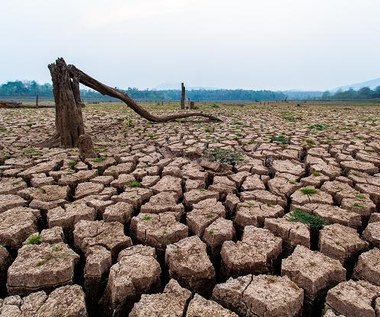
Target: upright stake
{"x": 183, "y": 94}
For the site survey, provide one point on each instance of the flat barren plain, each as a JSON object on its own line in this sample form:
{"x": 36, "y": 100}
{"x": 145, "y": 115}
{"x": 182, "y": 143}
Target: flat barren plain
{"x": 273, "y": 212}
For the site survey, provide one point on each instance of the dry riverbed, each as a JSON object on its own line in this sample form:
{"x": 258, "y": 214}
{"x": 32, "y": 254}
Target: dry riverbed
{"x": 273, "y": 212}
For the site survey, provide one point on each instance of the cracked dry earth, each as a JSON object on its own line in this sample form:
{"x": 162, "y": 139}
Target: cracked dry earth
{"x": 152, "y": 228}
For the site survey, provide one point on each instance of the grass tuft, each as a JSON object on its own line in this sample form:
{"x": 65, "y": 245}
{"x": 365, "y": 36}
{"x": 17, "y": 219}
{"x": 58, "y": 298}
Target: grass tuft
{"x": 134, "y": 184}
{"x": 34, "y": 239}
{"x": 313, "y": 221}
{"x": 308, "y": 191}
{"x": 224, "y": 156}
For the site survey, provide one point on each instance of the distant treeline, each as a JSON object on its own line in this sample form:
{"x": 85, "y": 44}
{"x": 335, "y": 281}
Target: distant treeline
{"x": 32, "y": 88}
{"x": 351, "y": 94}
{"x": 28, "y": 89}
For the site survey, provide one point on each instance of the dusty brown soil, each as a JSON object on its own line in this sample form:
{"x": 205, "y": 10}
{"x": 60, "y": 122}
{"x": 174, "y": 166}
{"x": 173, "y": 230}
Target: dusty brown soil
{"x": 152, "y": 227}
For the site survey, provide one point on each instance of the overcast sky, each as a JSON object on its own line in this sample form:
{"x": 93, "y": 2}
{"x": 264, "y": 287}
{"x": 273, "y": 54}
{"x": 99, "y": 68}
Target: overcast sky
{"x": 252, "y": 44}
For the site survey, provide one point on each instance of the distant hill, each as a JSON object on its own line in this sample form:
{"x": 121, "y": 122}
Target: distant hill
{"x": 372, "y": 84}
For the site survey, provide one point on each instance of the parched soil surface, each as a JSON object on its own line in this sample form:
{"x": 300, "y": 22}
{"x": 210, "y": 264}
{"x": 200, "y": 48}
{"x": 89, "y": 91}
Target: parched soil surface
{"x": 155, "y": 227}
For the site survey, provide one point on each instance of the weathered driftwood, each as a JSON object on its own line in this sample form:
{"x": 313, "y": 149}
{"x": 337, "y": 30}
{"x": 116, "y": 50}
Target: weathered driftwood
{"x": 68, "y": 104}
{"x": 88, "y": 81}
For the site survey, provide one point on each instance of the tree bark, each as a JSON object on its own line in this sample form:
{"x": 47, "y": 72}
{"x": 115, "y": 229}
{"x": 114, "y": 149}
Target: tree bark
{"x": 68, "y": 113}
{"x": 183, "y": 94}
{"x": 88, "y": 81}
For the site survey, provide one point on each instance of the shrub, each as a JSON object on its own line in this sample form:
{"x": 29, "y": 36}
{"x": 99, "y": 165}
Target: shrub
{"x": 226, "y": 156}
{"x": 134, "y": 184}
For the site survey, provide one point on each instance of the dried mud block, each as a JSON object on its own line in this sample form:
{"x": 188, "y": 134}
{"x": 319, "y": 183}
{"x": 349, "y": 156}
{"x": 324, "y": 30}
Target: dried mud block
{"x": 171, "y": 302}
{"x": 262, "y": 296}
{"x": 10, "y": 201}
{"x": 219, "y": 231}
{"x": 310, "y": 195}
{"x": 163, "y": 202}
{"x": 313, "y": 271}
{"x": 353, "y": 298}
{"x": 254, "y": 213}
{"x": 168, "y": 184}
{"x": 52, "y": 235}
{"x": 158, "y": 230}
{"x": 98, "y": 263}
{"x": 11, "y": 185}
{"x": 107, "y": 234}
{"x": 341, "y": 243}
{"x": 134, "y": 196}
{"x": 334, "y": 214}
{"x": 48, "y": 197}
{"x": 41, "y": 267}
{"x": 200, "y": 306}
{"x": 368, "y": 267}
{"x": 223, "y": 185}
{"x": 189, "y": 264}
{"x": 365, "y": 167}
{"x": 69, "y": 215}
{"x": 339, "y": 190}
{"x": 282, "y": 186}
{"x": 255, "y": 254}
{"x": 292, "y": 233}
{"x": 252, "y": 182}
{"x": 136, "y": 272}
{"x": 87, "y": 189}
{"x": 65, "y": 301}
{"x": 117, "y": 170}
{"x": 196, "y": 195}
{"x": 120, "y": 212}
{"x": 288, "y": 166}
{"x": 78, "y": 177}
{"x": 16, "y": 225}
{"x": 372, "y": 233}
{"x": 203, "y": 214}
{"x": 263, "y": 196}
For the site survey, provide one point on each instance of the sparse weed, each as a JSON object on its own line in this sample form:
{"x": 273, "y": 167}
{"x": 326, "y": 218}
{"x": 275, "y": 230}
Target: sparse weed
{"x": 226, "y": 156}
{"x": 34, "y": 239}
{"x": 308, "y": 191}
{"x": 313, "y": 221}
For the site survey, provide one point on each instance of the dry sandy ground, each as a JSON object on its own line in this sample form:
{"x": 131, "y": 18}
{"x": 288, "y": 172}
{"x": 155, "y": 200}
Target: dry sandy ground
{"x": 155, "y": 227}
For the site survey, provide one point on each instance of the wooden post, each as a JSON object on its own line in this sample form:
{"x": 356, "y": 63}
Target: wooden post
{"x": 183, "y": 94}
{"x": 36, "y": 101}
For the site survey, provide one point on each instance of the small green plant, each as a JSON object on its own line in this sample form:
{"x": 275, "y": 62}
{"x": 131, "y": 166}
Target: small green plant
{"x": 318, "y": 126}
{"x": 71, "y": 163}
{"x": 317, "y": 173}
{"x": 35, "y": 238}
{"x": 214, "y": 105}
{"x": 224, "y": 156}
{"x": 360, "y": 196}
{"x": 209, "y": 129}
{"x": 99, "y": 159}
{"x": 310, "y": 142}
{"x": 3, "y": 129}
{"x": 147, "y": 218}
{"x": 356, "y": 205}
{"x": 280, "y": 139}
{"x": 313, "y": 221}
{"x": 134, "y": 184}
{"x": 308, "y": 191}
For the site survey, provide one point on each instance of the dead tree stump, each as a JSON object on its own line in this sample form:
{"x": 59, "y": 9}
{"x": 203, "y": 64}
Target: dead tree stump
{"x": 68, "y": 113}
{"x": 183, "y": 94}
